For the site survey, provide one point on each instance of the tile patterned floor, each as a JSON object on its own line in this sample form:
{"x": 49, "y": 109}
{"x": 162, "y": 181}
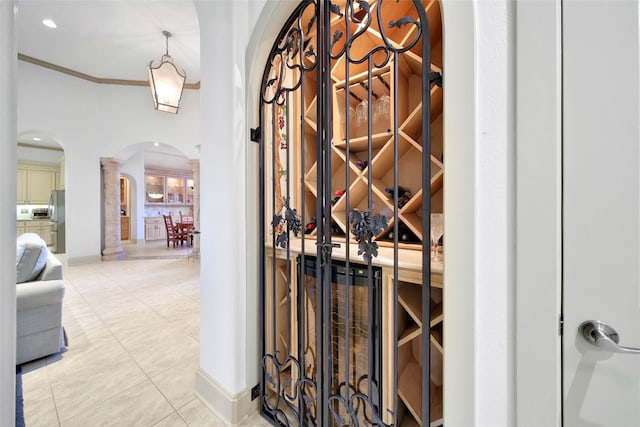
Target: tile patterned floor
{"x": 133, "y": 328}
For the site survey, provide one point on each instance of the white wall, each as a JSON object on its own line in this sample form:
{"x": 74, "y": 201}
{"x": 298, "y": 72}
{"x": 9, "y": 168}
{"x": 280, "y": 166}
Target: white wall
{"x": 8, "y": 136}
{"x": 223, "y": 28}
{"x": 539, "y": 184}
{"x": 91, "y": 121}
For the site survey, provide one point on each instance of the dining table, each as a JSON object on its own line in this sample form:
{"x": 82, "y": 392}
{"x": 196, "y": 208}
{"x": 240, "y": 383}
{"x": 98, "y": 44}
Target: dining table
{"x": 186, "y": 229}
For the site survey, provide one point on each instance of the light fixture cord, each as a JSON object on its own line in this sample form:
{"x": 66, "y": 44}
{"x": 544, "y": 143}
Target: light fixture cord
{"x": 167, "y": 34}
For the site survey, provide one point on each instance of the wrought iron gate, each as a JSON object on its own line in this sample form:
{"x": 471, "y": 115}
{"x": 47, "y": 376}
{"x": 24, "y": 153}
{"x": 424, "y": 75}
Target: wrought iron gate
{"x": 351, "y": 308}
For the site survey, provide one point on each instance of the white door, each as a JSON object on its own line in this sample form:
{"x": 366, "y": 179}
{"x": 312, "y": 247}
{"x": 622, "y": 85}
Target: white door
{"x": 601, "y": 172}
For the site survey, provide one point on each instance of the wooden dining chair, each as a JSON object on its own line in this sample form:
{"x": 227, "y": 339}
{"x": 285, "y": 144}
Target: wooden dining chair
{"x": 174, "y": 234}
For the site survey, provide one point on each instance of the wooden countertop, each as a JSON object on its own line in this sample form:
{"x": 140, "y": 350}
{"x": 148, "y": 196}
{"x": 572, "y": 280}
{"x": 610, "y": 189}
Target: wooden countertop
{"x": 407, "y": 259}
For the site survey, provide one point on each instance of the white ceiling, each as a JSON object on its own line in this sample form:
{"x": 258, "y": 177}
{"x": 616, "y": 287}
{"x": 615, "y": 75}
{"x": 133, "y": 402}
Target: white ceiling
{"x": 109, "y": 39}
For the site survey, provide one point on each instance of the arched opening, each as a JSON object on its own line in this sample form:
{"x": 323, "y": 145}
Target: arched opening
{"x": 40, "y": 204}
{"x": 156, "y": 180}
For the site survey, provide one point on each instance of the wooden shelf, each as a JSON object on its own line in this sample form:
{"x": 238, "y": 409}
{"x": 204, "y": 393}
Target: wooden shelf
{"x": 360, "y": 144}
{"x": 436, "y": 315}
{"x": 410, "y": 296}
{"x": 409, "y": 334}
{"x": 410, "y": 391}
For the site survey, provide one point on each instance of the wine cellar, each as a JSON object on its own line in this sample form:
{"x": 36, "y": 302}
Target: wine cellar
{"x": 352, "y": 174}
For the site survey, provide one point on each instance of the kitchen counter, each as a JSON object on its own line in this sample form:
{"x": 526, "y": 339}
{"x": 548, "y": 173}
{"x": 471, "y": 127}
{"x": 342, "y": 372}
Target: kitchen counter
{"x": 42, "y": 227}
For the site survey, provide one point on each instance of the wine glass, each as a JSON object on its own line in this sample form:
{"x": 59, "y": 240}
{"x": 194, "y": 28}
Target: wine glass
{"x": 382, "y": 107}
{"x": 362, "y": 112}
{"x": 437, "y": 229}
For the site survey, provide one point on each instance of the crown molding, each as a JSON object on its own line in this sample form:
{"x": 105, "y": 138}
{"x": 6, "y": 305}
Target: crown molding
{"x": 91, "y": 78}
{"x": 39, "y": 147}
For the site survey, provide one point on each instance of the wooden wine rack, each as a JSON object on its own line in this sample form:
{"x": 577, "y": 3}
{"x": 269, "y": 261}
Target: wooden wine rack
{"x": 409, "y": 343}
{"x": 350, "y": 146}
{"x": 350, "y": 150}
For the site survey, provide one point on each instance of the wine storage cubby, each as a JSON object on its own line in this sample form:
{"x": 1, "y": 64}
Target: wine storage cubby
{"x": 364, "y": 105}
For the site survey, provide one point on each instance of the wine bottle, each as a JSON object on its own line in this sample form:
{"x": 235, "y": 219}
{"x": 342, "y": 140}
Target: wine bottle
{"x": 310, "y": 226}
{"x": 404, "y": 195}
{"x": 338, "y": 193}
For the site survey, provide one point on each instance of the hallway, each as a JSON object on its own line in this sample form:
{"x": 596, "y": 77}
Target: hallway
{"x": 133, "y": 329}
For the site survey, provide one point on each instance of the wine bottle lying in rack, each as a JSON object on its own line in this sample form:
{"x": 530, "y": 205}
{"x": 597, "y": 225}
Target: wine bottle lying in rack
{"x": 404, "y": 195}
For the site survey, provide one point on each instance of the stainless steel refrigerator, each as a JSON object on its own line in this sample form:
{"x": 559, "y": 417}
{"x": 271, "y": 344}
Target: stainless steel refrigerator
{"x": 56, "y": 214}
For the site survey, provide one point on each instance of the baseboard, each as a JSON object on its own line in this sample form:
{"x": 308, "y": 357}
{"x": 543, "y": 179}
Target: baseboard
{"x": 84, "y": 260}
{"x": 114, "y": 257}
{"x": 231, "y": 409}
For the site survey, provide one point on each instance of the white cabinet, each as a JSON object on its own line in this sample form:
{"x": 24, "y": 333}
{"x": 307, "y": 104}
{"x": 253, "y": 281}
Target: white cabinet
{"x": 163, "y": 187}
{"x": 154, "y": 229}
{"x": 20, "y": 228}
{"x": 35, "y": 183}
{"x": 39, "y": 185}
{"x": 41, "y": 228}
{"x": 21, "y": 195}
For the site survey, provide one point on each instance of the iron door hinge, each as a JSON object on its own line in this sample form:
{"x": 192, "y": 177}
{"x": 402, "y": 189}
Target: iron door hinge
{"x": 436, "y": 78}
{"x": 255, "y": 134}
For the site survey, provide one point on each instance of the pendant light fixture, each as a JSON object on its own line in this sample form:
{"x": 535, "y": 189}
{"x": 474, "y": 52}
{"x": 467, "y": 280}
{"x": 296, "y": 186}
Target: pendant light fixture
{"x": 166, "y": 81}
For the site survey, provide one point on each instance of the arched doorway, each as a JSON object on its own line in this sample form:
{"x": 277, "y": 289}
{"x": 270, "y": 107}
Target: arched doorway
{"x": 351, "y": 149}
{"x": 156, "y": 179}
{"x": 40, "y": 204}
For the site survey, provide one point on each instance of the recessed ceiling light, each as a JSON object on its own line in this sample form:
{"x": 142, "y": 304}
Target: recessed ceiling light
{"x": 49, "y": 23}
{"x": 155, "y": 144}
{"x": 37, "y": 139}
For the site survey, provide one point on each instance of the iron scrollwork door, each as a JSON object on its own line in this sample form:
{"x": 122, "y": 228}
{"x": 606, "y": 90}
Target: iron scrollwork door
{"x": 349, "y": 172}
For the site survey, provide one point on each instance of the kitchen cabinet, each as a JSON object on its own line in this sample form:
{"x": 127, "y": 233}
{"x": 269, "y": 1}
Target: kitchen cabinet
{"x": 124, "y": 228}
{"x": 20, "y": 228}
{"x": 168, "y": 187}
{"x": 41, "y": 228}
{"x": 154, "y": 229}
{"x": 35, "y": 183}
{"x": 175, "y": 189}
{"x": 154, "y": 189}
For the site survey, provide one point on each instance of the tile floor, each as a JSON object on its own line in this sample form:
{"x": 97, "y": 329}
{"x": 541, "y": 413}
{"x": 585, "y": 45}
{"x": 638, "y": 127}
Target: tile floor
{"x": 133, "y": 328}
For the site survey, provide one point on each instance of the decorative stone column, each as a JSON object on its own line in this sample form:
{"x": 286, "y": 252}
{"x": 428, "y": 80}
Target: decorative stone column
{"x": 195, "y": 168}
{"x": 111, "y": 190}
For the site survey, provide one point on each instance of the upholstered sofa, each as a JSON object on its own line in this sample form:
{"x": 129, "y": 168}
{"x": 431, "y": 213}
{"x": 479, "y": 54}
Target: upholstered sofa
{"x": 39, "y": 295}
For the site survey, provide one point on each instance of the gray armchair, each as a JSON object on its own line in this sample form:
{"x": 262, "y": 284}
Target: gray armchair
{"x": 39, "y": 296}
